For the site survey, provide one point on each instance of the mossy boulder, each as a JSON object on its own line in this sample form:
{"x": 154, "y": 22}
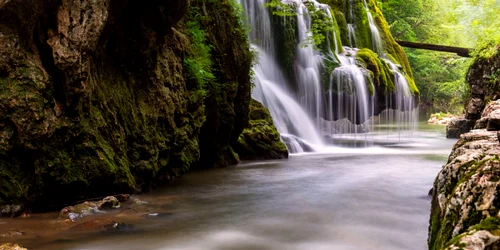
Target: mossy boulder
{"x": 96, "y": 97}
{"x": 466, "y": 195}
{"x": 260, "y": 139}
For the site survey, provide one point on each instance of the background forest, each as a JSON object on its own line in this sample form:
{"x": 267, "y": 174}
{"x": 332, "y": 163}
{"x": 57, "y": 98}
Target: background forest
{"x": 462, "y": 23}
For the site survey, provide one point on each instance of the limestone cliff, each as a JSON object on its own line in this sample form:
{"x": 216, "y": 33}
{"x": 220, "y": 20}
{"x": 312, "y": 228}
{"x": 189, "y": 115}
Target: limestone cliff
{"x": 106, "y": 96}
{"x": 466, "y": 195}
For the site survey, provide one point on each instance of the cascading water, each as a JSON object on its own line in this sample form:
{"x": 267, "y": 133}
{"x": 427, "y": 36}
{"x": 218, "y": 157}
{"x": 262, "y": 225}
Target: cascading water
{"x": 349, "y": 99}
{"x": 294, "y": 124}
{"x": 307, "y": 109}
{"x": 376, "y": 39}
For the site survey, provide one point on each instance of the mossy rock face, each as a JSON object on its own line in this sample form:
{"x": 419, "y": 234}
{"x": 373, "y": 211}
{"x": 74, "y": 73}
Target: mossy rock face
{"x": 260, "y": 140}
{"x": 484, "y": 80}
{"x": 466, "y": 195}
{"x": 107, "y": 105}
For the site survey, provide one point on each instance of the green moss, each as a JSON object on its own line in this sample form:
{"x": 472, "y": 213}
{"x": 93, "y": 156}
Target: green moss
{"x": 363, "y": 33}
{"x": 285, "y": 30}
{"x": 390, "y": 46}
{"x": 382, "y": 75}
{"x": 260, "y": 139}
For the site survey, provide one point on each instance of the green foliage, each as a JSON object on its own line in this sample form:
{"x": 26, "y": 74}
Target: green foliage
{"x": 463, "y": 23}
{"x": 198, "y": 61}
{"x": 382, "y": 75}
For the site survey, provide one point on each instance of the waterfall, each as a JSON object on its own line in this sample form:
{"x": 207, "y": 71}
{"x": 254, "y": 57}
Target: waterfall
{"x": 376, "y": 39}
{"x": 295, "y": 125}
{"x": 311, "y": 106}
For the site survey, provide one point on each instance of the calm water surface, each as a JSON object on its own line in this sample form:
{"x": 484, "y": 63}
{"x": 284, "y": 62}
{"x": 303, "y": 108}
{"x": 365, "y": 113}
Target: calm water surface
{"x": 347, "y": 198}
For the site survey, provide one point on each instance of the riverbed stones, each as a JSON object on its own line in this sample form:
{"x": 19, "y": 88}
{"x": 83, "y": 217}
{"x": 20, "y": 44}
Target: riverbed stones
{"x": 10, "y": 246}
{"x": 88, "y": 208}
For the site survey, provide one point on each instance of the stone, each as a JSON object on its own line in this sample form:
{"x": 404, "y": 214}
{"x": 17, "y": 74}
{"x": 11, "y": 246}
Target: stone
{"x": 109, "y": 202}
{"x": 139, "y": 202}
{"x": 122, "y": 197}
{"x": 10, "y": 246}
{"x": 11, "y": 211}
{"x": 88, "y": 208}
{"x": 456, "y": 127}
{"x": 476, "y": 240}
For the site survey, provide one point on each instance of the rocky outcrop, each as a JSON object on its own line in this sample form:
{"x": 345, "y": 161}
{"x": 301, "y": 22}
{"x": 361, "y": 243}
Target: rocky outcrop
{"x": 484, "y": 80}
{"x": 260, "y": 139}
{"x": 466, "y": 195}
{"x": 100, "y": 97}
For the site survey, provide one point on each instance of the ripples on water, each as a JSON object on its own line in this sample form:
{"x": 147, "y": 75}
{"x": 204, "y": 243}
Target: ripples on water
{"x": 344, "y": 198}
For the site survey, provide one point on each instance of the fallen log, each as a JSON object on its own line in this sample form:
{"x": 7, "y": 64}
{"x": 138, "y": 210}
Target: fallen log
{"x": 464, "y": 52}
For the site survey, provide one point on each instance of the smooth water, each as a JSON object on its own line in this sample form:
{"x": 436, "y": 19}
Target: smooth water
{"x": 349, "y": 199}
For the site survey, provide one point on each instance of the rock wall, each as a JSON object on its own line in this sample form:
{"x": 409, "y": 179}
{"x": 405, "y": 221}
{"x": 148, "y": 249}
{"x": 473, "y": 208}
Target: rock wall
{"x": 466, "y": 194}
{"x": 484, "y": 80}
{"x": 99, "y": 97}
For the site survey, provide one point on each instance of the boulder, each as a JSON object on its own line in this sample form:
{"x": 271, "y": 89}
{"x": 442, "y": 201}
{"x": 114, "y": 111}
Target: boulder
{"x": 260, "y": 139}
{"x": 456, "y": 127}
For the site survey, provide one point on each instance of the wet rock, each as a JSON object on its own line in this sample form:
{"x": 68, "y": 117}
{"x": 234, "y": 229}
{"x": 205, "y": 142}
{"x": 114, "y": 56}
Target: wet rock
{"x": 100, "y": 225}
{"x": 88, "y": 208}
{"x": 139, "y": 202}
{"x": 11, "y": 211}
{"x": 109, "y": 202}
{"x": 10, "y": 246}
{"x": 122, "y": 197}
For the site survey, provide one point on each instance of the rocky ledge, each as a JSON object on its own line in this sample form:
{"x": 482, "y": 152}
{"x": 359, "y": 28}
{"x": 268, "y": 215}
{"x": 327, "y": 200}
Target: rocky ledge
{"x": 465, "y": 210}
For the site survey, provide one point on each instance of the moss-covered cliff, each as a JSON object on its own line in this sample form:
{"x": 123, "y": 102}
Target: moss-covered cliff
{"x": 103, "y": 96}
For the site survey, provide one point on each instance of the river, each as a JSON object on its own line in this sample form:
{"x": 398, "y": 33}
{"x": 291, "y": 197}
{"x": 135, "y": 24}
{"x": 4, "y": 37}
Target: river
{"x": 350, "y": 198}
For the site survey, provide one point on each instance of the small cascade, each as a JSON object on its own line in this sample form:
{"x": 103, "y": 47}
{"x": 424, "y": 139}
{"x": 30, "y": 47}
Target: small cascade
{"x": 376, "y": 39}
{"x": 290, "y": 118}
{"x": 307, "y": 64}
{"x": 351, "y": 26}
{"x": 350, "y": 103}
